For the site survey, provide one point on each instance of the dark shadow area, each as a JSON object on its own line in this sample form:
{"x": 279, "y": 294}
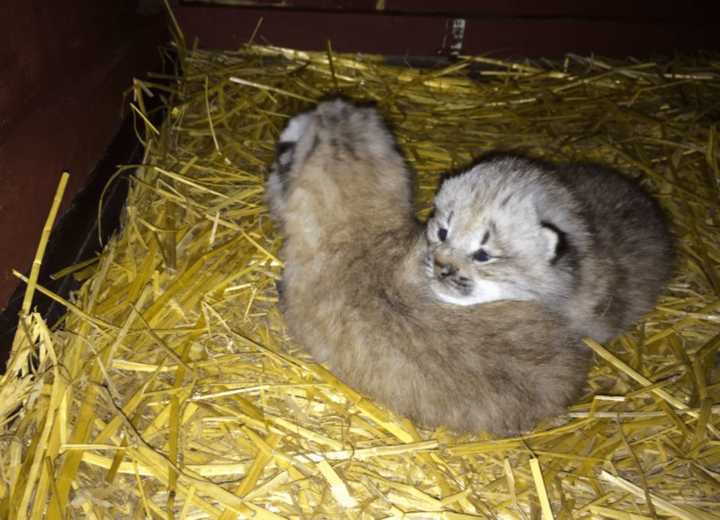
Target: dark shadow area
{"x": 75, "y": 236}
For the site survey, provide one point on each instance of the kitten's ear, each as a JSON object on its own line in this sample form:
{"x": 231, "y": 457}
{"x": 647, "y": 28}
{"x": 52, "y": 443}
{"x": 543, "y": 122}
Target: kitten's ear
{"x": 287, "y": 145}
{"x": 284, "y": 151}
{"x": 555, "y": 241}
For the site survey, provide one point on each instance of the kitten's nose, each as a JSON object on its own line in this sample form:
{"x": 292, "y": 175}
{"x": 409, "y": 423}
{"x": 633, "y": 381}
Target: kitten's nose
{"x": 444, "y": 270}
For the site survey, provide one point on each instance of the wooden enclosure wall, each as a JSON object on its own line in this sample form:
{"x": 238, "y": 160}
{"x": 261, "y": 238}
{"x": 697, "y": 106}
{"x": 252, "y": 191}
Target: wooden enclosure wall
{"x": 503, "y": 28}
{"x": 63, "y": 69}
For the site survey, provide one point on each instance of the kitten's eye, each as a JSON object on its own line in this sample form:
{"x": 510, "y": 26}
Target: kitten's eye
{"x": 481, "y": 256}
{"x": 442, "y": 234}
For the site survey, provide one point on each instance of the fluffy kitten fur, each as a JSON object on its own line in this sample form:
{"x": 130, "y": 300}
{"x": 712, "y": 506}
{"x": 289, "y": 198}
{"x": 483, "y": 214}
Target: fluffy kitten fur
{"x": 356, "y": 296}
{"x": 581, "y": 239}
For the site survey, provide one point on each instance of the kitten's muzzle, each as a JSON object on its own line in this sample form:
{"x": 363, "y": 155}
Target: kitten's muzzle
{"x": 444, "y": 270}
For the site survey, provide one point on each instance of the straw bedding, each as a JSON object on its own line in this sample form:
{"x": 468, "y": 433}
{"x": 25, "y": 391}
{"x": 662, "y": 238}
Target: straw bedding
{"x": 171, "y": 390}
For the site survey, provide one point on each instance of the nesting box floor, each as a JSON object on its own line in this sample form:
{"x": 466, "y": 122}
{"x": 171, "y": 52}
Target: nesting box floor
{"x": 171, "y": 389}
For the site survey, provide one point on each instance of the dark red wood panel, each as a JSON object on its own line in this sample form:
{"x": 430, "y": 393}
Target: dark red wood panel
{"x": 63, "y": 70}
{"x": 646, "y": 10}
{"x": 229, "y": 28}
{"x": 533, "y": 29}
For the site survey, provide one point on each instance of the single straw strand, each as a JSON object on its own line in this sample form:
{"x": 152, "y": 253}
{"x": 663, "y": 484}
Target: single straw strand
{"x": 537, "y": 475}
{"x": 44, "y": 238}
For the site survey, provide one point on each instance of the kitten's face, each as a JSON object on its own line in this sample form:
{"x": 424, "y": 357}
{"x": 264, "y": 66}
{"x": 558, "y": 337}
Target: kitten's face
{"x": 486, "y": 241}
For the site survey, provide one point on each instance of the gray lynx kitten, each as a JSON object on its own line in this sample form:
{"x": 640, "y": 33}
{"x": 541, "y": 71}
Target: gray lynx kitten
{"x": 582, "y": 239}
{"x": 355, "y": 293}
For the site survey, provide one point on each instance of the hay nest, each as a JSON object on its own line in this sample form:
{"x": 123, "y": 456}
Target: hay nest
{"x": 171, "y": 390}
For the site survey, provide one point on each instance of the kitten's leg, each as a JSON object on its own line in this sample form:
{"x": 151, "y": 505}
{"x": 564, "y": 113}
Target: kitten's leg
{"x": 277, "y": 183}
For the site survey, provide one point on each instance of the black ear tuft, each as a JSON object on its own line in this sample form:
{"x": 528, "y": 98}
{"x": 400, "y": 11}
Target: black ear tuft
{"x": 283, "y": 146}
{"x": 559, "y": 237}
